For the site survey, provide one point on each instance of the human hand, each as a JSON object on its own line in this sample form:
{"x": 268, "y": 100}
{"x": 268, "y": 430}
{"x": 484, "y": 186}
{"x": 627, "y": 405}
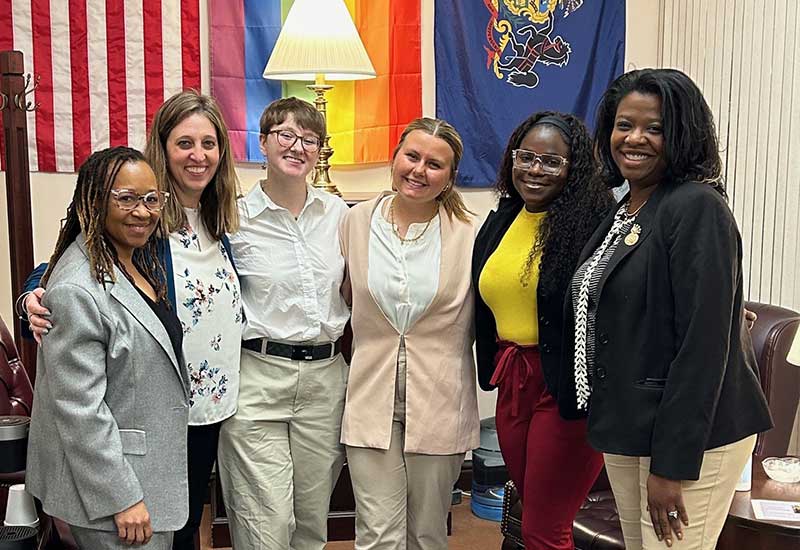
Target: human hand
{"x": 750, "y": 318}
{"x": 133, "y": 524}
{"x": 38, "y": 315}
{"x": 665, "y": 496}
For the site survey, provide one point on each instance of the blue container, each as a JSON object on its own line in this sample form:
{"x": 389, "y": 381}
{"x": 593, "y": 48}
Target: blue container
{"x": 489, "y": 474}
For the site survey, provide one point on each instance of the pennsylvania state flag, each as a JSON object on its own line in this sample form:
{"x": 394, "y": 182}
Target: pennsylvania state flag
{"x": 499, "y": 61}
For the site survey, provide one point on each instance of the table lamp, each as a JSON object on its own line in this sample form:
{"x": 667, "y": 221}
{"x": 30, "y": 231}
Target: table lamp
{"x": 319, "y": 42}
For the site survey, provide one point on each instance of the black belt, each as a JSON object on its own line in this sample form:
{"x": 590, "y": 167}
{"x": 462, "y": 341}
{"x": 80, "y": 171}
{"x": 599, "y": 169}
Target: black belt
{"x": 295, "y": 352}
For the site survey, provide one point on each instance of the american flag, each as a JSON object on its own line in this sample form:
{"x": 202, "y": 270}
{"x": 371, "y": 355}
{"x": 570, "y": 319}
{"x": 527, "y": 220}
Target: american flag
{"x": 105, "y": 67}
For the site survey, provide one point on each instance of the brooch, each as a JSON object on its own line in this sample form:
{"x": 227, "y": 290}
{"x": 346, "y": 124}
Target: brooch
{"x": 633, "y": 237}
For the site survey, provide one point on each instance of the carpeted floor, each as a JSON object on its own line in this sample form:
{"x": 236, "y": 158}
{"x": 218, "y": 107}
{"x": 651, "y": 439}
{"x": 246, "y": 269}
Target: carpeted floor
{"x": 469, "y": 532}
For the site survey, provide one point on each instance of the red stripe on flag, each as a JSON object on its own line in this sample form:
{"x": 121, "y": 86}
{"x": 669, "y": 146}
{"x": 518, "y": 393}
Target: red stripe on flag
{"x": 190, "y": 49}
{"x": 43, "y": 63}
{"x": 6, "y": 43}
{"x": 405, "y": 62}
{"x": 79, "y": 69}
{"x": 6, "y": 25}
{"x": 153, "y": 60}
{"x": 117, "y": 84}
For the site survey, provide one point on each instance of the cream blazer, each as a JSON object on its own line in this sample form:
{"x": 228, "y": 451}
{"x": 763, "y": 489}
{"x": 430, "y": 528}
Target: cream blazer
{"x": 441, "y": 396}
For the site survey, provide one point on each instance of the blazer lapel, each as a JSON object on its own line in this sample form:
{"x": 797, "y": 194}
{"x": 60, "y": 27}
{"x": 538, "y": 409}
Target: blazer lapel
{"x": 644, "y": 219}
{"x": 450, "y": 262}
{"x": 125, "y": 293}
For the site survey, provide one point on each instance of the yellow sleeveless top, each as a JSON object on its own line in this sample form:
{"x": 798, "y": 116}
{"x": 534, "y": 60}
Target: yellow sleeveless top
{"x": 500, "y": 284}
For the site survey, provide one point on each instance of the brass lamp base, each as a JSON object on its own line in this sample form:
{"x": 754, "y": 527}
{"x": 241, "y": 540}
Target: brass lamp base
{"x": 322, "y": 178}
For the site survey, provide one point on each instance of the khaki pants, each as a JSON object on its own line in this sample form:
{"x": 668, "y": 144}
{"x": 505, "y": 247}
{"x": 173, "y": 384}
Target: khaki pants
{"x": 402, "y": 499}
{"x": 279, "y": 455}
{"x": 707, "y": 500}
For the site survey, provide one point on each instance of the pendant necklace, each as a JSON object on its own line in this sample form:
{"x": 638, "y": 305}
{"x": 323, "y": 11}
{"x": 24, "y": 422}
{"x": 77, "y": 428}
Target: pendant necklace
{"x": 633, "y": 236}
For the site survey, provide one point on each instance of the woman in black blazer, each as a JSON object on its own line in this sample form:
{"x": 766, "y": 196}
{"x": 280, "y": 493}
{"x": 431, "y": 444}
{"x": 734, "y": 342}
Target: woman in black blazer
{"x": 523, "y": 259}
{"x": 661, "y": 359}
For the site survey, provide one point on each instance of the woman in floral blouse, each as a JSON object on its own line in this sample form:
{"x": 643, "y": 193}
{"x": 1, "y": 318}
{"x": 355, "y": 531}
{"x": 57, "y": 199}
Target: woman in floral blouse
{"x": 189, "y": 151}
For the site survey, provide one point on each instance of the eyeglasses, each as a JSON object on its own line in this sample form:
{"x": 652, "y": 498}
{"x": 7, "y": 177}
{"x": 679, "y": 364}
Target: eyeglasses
{"x": 551, "y": 164}
{"x": 127, "y": 199}
{"x": 287, "y": 138}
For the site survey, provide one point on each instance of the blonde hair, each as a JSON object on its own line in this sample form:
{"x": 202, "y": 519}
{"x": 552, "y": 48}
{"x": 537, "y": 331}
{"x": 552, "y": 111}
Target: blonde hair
{"x": 450, "y": 199}
{"x": 218, "y": 208}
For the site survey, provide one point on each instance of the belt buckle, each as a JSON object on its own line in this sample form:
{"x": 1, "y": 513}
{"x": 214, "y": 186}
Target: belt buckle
{"x": 304, "y": 352}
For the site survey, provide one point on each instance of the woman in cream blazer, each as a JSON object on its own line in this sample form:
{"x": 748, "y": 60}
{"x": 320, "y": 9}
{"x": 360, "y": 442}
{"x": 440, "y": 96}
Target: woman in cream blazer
{"x": 411, "y": 411}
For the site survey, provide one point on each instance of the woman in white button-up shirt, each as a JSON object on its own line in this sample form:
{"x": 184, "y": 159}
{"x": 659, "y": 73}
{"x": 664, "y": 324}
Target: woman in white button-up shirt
{"x": 280, "y": 454}
{"x": 411, "y": 409}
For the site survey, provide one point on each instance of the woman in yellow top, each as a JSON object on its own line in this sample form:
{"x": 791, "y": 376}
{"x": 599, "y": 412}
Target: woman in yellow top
{"x": 523, "y": 259}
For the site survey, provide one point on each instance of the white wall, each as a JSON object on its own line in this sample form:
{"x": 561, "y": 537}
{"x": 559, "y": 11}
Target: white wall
{"x": 51, "y": 193}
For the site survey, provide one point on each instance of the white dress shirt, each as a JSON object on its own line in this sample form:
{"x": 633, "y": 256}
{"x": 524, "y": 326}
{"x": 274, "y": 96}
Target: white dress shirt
{"x": 208, "y": 304}
{"x": 291, "y": 270}
{"x": 403, "y": 277}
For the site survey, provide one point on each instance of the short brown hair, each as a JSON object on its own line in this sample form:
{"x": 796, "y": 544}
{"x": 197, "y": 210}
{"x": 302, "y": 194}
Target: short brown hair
{"x": 305, "y": 115}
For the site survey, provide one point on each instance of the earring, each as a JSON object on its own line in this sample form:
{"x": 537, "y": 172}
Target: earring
{"x": 444, "y": 192}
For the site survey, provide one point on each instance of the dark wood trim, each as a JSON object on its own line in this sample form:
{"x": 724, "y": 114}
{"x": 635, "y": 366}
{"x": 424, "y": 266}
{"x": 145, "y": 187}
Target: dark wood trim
{"x": 18, "y": 190}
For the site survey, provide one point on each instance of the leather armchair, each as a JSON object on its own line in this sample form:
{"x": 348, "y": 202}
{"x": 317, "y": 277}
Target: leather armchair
{"x": 597, "y": 527}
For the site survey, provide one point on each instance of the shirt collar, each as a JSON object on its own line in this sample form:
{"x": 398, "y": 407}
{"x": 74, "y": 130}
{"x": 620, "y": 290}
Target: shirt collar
{"x": 256, "y": 200}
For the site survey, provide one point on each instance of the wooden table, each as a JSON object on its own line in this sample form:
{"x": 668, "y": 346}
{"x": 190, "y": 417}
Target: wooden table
{"x": 743, "y": 531}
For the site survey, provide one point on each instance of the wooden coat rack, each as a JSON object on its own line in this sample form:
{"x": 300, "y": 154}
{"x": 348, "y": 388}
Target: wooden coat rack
{"x": 15, "y": 88}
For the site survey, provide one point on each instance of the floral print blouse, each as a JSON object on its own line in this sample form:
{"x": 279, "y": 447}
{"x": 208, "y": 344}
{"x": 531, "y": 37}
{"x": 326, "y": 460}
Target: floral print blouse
{"x": 209, "y": 304}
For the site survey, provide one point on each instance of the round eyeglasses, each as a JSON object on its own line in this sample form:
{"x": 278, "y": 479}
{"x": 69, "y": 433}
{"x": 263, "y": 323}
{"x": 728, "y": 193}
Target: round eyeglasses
{"x": 551, "y": 164}
{"x": 127, "y": 200}
{"x": 287, "y": 138}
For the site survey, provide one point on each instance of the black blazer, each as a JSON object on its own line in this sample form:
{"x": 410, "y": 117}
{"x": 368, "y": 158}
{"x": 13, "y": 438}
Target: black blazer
{"x": 674, "y": 369}
{"x": 550, "y": 308}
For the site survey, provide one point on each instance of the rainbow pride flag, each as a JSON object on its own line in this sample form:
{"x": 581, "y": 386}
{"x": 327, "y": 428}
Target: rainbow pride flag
{"x": 365, "y": 118}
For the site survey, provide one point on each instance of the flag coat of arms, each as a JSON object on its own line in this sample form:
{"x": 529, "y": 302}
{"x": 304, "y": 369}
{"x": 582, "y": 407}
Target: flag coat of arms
{"x": 499, "y": 61}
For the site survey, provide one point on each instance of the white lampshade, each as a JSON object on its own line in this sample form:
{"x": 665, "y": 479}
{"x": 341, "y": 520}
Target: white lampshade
{"x": 794, "y": 352}
{"x": 319, "y": 37}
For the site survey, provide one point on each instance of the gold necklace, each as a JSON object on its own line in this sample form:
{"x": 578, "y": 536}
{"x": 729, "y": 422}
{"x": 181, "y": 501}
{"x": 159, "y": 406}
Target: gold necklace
{"x": 396, "y": 232}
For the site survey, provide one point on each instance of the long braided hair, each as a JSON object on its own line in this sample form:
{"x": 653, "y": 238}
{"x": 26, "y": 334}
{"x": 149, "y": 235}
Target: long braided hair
{"x": 572, "y": 217}
{"x": 87, "y": 214}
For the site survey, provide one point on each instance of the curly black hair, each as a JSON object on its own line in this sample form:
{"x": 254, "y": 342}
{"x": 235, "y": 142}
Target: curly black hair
{"x": 573, "y": 215}
{"x": 691, "y": 148}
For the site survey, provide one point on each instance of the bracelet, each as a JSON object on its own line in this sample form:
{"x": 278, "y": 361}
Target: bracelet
{"x": 19, "y": 306}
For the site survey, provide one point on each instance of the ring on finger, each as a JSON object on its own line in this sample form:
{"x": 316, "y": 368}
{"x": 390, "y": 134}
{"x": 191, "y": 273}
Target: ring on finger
{"x": 673, "y": 514}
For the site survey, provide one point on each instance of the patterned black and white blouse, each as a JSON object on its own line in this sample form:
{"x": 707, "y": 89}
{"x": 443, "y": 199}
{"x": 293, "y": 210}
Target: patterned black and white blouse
{"x": 585, "y": 285}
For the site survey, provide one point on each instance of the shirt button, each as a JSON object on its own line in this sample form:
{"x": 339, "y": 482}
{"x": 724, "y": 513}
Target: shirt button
{"x": 544, "y": 320}
{"x": 546, "y": 348}
{"x": 604, "y": 338}
{"x": 600, "y": 372}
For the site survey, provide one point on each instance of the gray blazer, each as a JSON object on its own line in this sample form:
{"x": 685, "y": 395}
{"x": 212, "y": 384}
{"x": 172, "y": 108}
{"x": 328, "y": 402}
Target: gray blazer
{"x": 110, "y": 409}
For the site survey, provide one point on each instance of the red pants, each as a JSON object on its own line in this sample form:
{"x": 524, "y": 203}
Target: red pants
{"x": 547, "y": 457}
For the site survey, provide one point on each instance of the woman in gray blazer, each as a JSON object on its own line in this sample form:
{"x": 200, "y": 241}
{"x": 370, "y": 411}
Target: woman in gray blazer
{"x": 107, "y": 448}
